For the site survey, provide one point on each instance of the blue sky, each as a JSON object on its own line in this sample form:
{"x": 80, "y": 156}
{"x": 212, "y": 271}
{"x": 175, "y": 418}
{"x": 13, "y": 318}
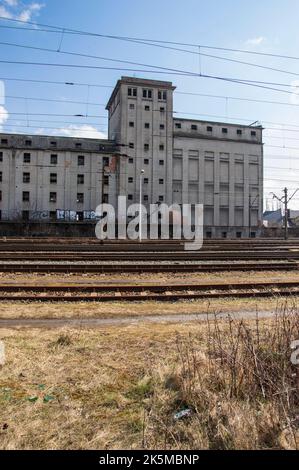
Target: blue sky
{"x": 268, "y": 26}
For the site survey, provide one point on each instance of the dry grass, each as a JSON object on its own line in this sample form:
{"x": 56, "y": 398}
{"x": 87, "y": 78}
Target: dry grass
{"x": 121, "y": 309}
{"x": 119, "y": 388}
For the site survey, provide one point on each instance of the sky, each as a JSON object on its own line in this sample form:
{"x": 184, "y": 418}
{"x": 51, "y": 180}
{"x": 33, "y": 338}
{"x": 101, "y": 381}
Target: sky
{"x": 264, "y": 26}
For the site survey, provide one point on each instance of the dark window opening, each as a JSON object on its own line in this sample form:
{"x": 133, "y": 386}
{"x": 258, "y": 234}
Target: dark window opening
{"x": 53, "y": 197}
{"x": 54, "y": 159}
{"x": 27, "y": 158}
{"x": 26, "y": 196}
{"x": 53, "y": 178}
{"x": 80, "y": 179}
{"x": 80, "y": 198}
{"x": 26, "y": 177}
{"x": 81, "y": 160}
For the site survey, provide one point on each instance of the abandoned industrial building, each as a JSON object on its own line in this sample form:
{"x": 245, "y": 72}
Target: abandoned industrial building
{"x": 61, "y": 180}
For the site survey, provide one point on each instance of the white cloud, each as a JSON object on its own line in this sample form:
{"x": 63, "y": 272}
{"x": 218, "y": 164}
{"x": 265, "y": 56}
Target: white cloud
{"x": 11, "y": 3}
{"x": 82, "y": 131}
{"x": 255, "y": 41}
{"x": 5, "y": 13}
{"x": 24, "y": 12}
{"x": 74, "y": 130}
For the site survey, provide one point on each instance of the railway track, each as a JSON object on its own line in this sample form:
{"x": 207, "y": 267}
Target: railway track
{"x": 172, "y": 267}
{"x": 143, "y": 292}
{"x": 153, "y": 256}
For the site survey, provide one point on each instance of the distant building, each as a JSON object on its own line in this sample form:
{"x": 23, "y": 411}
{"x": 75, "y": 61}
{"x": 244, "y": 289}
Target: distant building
{"x": 273, "y": 219}
{"x": 216, "y": 164}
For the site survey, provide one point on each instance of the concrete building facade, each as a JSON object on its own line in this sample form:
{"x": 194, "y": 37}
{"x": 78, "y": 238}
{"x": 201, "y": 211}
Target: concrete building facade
{"x": 216, "y": 164}
{"x": 183, "y": 161}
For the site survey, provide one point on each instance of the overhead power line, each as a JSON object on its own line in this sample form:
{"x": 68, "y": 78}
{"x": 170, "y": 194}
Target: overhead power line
{"x": 151, "y": 41}
{"x": 80, "y": 54}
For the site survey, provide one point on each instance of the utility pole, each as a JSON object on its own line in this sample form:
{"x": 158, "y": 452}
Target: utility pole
{"x": 285, "y": 200}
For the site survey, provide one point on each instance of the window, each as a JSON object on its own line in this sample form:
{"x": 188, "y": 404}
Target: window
{"x": 26, "y": 177}
{"x": 28, "y": 143}
{"x": 26, "y": 196}
{"x": 162, "y": 109}
{"x": 224, "y": 130}
{"x": 105, "y": 198}
{"x": 27, "y": 158}
{"x": 78, "y": 145}
{"x": 178, "y": 125}
{"x": 25, "y": 215}
{"x": 145, "y": 180}
{"x": 106, "y": 161}
{"x": 161, "y": 162}
{"x": 132, "y": 92}
{"x": 4, "y": 141}
{"x": 130, "y": 197}
{"x": 81, "y": 160}
{"x": 161, "y": 181}
{"x": 53, "y": 159}
{"x": 239, "y": 132}
{"x": 253, "y": 134}
{"x": 53, "y": 178}
{"x": 80, "y": 179}
{"x": 131, "y": 160}
{"x": 146, "y": 125}
{"x": 146, "y": 147}
{"x": 80, "y": 198}
{"x": 161, "y": 198}
{"x": 0, "y": 176}
{"x": 252, "y": 235}
{"x": 147, "y": 94}
{"x": 80, "y": 216}
{"x": 162, "y": 126}
{"x": 162, "y": 95}
{"x": 53, "y": 197}
{"x": 131, "y": 106}
{"x": 53, "y": 143}
{"x": 131, "y": 145}
{"x": 145, "y": 197}
{"x": 146, "y": 161}
{"x": 194, "y": 127}
{"x": 131, "y": 124}
{"x": 53, "y": 215}
{"x": 106, "y": 179}
{"x": 130, "y": 179}
{"x": 209, "y": 234}
{"x": 147, "y": 108}
{"x": 161, "y": 147}
{"x": 1, "y": 156}
{"x": 210, "y": 129}
{"x": 224, "y": 234}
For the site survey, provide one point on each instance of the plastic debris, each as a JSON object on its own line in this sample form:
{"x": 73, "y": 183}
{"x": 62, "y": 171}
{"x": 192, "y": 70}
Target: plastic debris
{"x": 183, "y": 414}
